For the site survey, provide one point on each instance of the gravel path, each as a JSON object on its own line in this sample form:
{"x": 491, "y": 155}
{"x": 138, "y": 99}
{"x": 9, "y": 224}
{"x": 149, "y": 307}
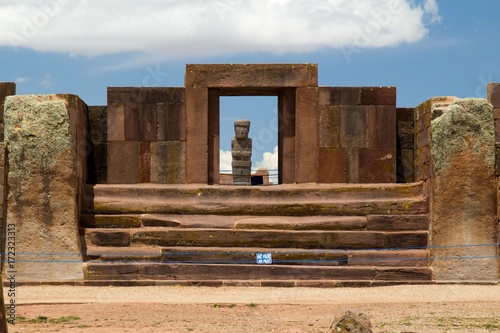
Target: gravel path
{"x": 395, "y": 309}
{"x": 206, "y": 295}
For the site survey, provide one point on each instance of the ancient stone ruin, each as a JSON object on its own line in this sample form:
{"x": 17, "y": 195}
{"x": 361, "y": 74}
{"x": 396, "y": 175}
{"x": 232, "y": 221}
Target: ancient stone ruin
{"x": 368, "y": 193}
{"x": 241, "y": 151}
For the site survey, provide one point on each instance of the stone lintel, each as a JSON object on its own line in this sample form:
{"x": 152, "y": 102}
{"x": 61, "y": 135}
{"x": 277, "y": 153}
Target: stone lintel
{"x": 251, "y": 75}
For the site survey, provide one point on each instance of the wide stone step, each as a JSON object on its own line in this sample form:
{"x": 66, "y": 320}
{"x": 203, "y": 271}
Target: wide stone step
{"x": 256, "y": 238}
{"x": 353, "y": 223}
{"x": 207, "y": 272}
{"x": 283, "y": 200}
{"x": 243, "y": 256}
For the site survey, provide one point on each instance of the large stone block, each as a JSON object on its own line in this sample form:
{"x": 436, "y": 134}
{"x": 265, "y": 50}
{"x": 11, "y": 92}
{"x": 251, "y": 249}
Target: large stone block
{"x": 6, "y": 89}
{"x": 353, "y": 128}
{"x": 307, "y": 135}
{"x": 168, "y": 162}
{"x": 123, "y": 162}
{"x": 377, "y": 165}
{"x": 171, "y": 122}
{"x": 381, "y": 127}
{"x": 378, "y": 96}
{"x": 464, "y": 198}
{"x": 116, "y": 122}
{"x": 43, "y": 188}
{"x": 333, "y": 166}
{"x": 493, "y": 91}
{"x": 339, "y": 96}
{"x": 197, "y": 135}
{"x": 251, "y": 75}
{"x": 329, "y": 127}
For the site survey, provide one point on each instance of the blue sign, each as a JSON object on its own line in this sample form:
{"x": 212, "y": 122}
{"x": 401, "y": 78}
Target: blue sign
{"x": 264, "y": 258}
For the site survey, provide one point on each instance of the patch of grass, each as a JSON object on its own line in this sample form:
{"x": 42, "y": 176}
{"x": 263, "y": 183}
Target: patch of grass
{"x": 217, "y": 306}
{"x": 407, "y": 321}
{"x": 252, "y": 305}
{"x": 64, "y": 320}
{"x": 45, "y": 319}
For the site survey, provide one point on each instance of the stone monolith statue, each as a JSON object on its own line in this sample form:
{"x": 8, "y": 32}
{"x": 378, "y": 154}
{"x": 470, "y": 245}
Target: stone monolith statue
{"x": 241, "y": 150}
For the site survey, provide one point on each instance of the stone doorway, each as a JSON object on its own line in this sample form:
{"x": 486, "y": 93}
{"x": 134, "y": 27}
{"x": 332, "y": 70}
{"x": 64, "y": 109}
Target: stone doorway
{"x": 262, "y": 112}
{"x": 292, "y": 84}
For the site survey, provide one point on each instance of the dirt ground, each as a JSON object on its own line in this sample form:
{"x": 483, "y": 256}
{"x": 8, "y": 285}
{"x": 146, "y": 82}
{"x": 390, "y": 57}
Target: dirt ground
{"x": 439, "y": 308}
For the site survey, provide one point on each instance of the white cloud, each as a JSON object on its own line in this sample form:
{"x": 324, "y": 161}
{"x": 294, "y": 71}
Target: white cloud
{"x": 47, "y": 81}
{"x": 225, "y": 159}
{"x": 177, "y": 28}
{"x": 21, "y": 79}
{"x": 269, "y": 160}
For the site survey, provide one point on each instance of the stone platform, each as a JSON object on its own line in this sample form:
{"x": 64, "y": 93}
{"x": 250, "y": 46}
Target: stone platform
{"x": 369, "y": 233}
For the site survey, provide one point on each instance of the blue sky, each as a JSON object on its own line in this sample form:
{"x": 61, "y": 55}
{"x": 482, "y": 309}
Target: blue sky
{"x": 425, "y": 48}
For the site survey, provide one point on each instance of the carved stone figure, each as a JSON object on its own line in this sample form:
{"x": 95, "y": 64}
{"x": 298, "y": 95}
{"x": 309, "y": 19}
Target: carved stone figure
{"x": 241, "y": 150}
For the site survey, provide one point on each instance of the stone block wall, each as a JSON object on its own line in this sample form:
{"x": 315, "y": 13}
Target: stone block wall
{"x": 404, "y": 145}
{"x": 6, "y": 89}
{"x": 357, "y": 135}
{"x": 493, "y": 95}
{"x": 48, "y": 148}
{"x": 146, "y": 134}
{"x": 98, "y": 162}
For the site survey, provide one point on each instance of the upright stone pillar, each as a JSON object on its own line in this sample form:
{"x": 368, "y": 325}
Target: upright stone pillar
{"x": 241, "y": 151}
{"x": 464, "y": 236}
{"x": 46, "y": 140}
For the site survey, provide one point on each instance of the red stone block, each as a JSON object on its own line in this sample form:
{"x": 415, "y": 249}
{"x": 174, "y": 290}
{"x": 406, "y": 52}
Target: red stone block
{"x": 378, "y": 96}
{"x": 381, "y": 129}
{"x": 144, "y": 162}
{"x": 125, "y": 95}
{"x": 339, "y": 96}
{"x": 497, "y": 130}
{"x": 353, "y": 126}
{"x": 166, "y": 95}
{"x": 148, "y": 122}
{"x": 307, "y": 135}
{"x": 171, "y": 122}
{"x": 377, "y": 165}
{"x": 329, "y": 127}
{"x": 197, "y": 135}
{"x": 494, "y": 94}
{"x": 251, "y": 75}
{"x": 333, "y": 166}
{"x": 132, "y": 121}
{"x": 123, "y": 162}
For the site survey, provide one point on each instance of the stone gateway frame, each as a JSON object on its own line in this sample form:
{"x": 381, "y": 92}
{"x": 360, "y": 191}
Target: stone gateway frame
{"x": 296, "y": 87}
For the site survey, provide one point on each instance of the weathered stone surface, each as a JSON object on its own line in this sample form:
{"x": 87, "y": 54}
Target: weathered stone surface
{"x": 168, "y": 162}
{"x": 333, "y": 166}
{"x": 107, "y": 237}
{"x": 123, "y": 162}
{"x": 377, "y": 165}
{"x": 250, "y": 75}
{"x": 352, "y": 322}
{"x": 43, "y": 188}
{"x": 197, "y": 135}
{"x": 353, "y": 126}
{"x": 398, "y": 222}
{"x": 463, "y": 154}
{"x": 339, "y": 96}
{"x": 493, "y": 92}
{"x": 378, "y": 96}
{"x": 312, "y": 223}
{"x": 381, "y": 126}
{"x": 306, "y": 147}
{"x": 329, "y": 125}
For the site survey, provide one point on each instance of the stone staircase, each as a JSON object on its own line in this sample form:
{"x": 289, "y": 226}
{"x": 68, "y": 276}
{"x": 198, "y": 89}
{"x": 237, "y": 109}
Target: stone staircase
{"x": 287, "y": 235}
